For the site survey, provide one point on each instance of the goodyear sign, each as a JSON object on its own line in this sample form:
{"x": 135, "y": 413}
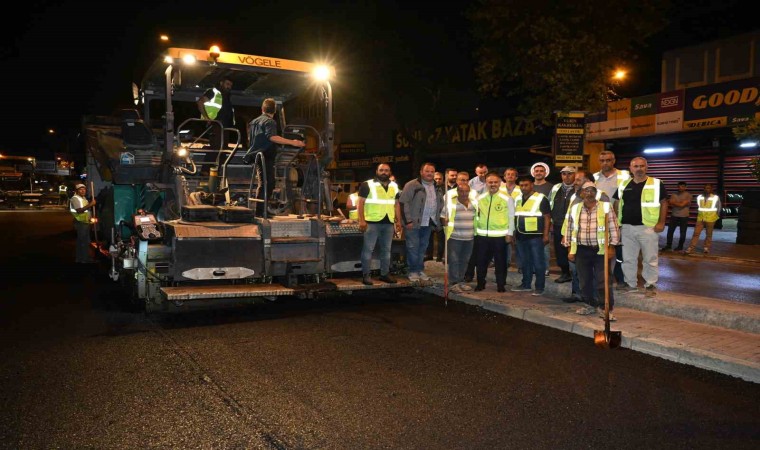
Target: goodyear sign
{"x": 720, "y": 105}
{"x": 713, "y": 106}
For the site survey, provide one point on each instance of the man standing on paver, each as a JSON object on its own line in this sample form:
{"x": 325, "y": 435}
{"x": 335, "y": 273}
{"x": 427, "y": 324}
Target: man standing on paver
{"x": 708, "y": 205}
{"x": 608, "y": 180}
{"x": 642, "y": 205}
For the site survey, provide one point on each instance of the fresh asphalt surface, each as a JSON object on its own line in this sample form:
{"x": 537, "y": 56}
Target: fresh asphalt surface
{"x": 388, "y": 371}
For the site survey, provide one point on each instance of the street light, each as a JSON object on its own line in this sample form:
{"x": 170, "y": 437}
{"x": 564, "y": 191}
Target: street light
{"x": 164, "y": 38}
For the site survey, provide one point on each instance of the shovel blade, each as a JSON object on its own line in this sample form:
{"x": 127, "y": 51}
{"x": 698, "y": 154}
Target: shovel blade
{"x": 609, "y": 340}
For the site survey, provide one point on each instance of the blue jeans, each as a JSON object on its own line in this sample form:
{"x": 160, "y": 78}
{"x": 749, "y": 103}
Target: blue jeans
{"x": 532, "y": 262}
{"x": 382, "y": 234}
{"x": 458, "y": 256}
{"x": 417, "y": 240}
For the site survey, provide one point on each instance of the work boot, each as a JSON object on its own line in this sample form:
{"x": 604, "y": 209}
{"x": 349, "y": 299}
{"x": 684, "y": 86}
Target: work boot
{"x": 366, "y": 280}
{"x": 387, "y": 278}
{"x": 480, "y": 287}
{"x": 667, "y": 248}
{"x": 501, "y": 288}
{"x": 564, "y": 278}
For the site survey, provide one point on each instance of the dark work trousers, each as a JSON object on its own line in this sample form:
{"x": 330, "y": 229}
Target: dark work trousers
{"x": 83, "y": 241}
{"x": 560, "y": 251}
{"x": 619, "y": 264}
{"x": 682, "y": 223}
{"x": 496, "y": 249}
{"x": 470, "y": 272}
{"x": 590, "y": 267}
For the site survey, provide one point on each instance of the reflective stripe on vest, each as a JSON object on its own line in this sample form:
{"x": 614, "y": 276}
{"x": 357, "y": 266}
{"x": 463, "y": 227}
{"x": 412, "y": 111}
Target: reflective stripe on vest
{"x": 79, "y": 202}
{"x": 354, "y": 213}
{"x": 515, "y": 191}
{"x": 531, "y": 208}
{"x": 380, "y": 202}
{"x": 572, "y": 199}
{"x": 553, "y": 194}
{"x": 707, "y": 208}
{"x": 601, "y": 230}
{"x": 214, "y": 105}
{"x": 494, "y": 222}
{"x": 451, "y": 206}
{"x": 650, "y": 210}
{"x": 622, "y": 176}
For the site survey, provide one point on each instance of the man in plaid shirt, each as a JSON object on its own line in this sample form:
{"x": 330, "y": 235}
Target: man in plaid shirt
{"x": 592, "y": 226}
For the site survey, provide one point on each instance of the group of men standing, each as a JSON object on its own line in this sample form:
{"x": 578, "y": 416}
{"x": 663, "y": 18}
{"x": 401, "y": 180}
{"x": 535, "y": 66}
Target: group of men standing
{"x": 597, "y": 222}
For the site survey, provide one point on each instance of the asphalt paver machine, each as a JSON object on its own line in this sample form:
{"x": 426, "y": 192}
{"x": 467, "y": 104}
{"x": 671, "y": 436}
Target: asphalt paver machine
{"x": 186, "y": 220}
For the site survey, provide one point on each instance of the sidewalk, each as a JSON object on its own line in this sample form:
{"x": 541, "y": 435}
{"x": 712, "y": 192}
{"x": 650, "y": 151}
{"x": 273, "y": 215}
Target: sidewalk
{"x": 708, "y": 333}
{"x": 724, "y": 247}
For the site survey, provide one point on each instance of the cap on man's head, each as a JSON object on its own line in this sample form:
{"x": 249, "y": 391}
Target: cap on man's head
{"x": 544, "y": 165}
{"x": 80, "y": 185}
{"x": 568, "y": 169}
{"x": 588, "y": 184}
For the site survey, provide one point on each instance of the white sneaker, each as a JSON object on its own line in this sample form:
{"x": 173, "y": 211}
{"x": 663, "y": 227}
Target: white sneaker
{"x": 422, "y": 276}
{"x": 414, "y": 276}
{"x": 465, "y": 287}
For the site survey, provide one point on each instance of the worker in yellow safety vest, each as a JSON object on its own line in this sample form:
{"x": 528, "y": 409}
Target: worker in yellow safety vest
{"x": 458, "y": 219}
{"x": 79, "y": 207}
{"x": 708, "y": 206}
{"x": 379, "y": 213}
{"x": 493, "y": 231}
{"x": 608, "y": 181}
{"x": 351, "y": 206}
{"x": 593, "y": 233}
{"x": 642, "y": 208}
{"x": 532, "y": 221}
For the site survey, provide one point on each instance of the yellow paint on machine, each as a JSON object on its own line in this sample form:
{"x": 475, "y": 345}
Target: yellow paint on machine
{"x": 245, "y": 60}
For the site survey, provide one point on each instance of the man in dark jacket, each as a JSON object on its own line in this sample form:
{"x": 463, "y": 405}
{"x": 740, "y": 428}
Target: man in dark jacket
{"x": 421, "y": 205}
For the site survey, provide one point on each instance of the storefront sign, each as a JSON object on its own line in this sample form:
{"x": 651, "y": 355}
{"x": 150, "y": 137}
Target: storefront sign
{"x": 352, "y": 150}
{"x": 568, "y": 138}
{"x": 713, "y": 106}
{"x": 481, "y": 131}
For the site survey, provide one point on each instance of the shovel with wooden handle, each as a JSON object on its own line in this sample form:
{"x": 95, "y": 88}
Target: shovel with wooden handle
{"x": 94, "y": 217}
{"x": 445, "y": 268}
{"x": 605, "y": 338}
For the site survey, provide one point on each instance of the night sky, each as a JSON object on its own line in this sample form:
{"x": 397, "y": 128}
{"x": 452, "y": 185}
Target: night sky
{"x": 64, "y": 59}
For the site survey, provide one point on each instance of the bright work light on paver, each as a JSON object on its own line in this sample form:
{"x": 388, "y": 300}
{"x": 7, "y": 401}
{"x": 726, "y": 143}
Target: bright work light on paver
{"x": 321, "y": 73}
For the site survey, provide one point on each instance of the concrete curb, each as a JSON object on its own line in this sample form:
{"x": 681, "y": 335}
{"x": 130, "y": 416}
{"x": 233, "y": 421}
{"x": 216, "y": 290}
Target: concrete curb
{"x": 746, "y": 370}
{"x": 708, "y": 311}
